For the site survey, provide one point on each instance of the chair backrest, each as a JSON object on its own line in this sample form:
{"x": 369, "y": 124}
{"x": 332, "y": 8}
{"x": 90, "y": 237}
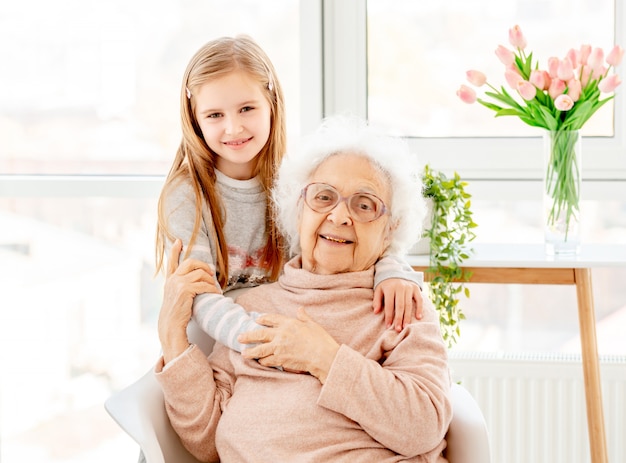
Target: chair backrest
{"x": 467, "y": 437}
{"x": 140, "y": 411}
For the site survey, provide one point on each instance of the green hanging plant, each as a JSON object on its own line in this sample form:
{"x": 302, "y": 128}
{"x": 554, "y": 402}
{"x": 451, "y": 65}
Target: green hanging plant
{"x": 449, "y": 235}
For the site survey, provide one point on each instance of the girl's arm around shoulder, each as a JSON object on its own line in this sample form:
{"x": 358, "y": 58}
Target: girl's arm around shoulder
{"x": 397, "y": 291}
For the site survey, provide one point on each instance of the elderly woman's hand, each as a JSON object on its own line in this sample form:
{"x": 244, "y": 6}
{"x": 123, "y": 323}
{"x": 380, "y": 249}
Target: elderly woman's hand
{"x": 295, "y": 344}
{"x": 182, "y": 283}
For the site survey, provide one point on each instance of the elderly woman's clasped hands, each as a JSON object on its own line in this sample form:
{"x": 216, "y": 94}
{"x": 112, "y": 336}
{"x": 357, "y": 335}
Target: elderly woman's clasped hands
{"x": 295, "y": 344}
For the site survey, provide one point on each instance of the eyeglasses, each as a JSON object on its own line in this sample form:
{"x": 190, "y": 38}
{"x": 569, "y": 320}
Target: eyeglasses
{"x": 363, "y": 207}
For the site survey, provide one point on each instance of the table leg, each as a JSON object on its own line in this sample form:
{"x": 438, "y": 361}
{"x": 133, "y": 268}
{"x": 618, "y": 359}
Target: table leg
{"x": 591, "y": 367}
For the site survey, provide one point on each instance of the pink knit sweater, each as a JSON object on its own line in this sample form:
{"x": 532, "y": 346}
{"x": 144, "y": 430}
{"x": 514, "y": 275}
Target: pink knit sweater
{"x": 385, "y": 398}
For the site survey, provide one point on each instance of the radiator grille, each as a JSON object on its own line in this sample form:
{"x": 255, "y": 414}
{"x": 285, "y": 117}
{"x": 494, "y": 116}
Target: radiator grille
{"x": 534, "y": 404}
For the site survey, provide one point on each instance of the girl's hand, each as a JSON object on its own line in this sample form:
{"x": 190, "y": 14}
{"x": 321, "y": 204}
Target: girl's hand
{"x": 182, "y": 283}
{"x": 401, "y": 298}
{"x": 295, "y": 344}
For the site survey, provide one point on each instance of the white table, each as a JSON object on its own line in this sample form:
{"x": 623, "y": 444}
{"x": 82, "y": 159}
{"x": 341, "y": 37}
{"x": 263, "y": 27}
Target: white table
{"x": 529, "y": 264}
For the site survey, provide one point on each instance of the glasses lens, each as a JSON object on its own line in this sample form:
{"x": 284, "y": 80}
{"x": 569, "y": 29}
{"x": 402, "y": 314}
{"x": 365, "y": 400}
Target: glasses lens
{"x": 365, "y": 207}
{"x": 321, "y": 197}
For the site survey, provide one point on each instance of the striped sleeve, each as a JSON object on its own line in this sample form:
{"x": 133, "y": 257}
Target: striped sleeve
{"x": 396, "y": 267}
{"x": 223, "y": 319}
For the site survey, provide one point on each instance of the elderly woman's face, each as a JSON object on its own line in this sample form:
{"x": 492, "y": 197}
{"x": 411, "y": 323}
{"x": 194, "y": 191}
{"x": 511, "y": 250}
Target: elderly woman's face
{"x": 333, "y": 242}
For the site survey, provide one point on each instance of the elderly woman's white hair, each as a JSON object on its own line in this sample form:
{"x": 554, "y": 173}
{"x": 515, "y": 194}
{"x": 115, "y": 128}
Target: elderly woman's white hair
{"x": 392, "y": 156}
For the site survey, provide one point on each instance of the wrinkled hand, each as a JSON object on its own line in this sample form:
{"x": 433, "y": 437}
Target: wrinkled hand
{"x": 295, "y": 344}
{"x": 401, "y": 298}
{"x": 182, "y": 283}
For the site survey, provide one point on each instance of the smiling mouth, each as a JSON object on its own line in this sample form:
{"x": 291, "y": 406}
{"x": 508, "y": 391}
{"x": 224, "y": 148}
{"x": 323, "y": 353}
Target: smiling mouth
{"x": 336, "y": 240}
{"x": 238, "y": 142}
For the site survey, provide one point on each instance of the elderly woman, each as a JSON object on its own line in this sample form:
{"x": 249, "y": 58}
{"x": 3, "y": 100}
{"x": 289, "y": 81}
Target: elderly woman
{"x": 325, "y": 381}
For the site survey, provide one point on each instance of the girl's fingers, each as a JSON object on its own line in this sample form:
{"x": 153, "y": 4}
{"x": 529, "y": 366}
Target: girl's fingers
{"x": 378, "y": 299}
{"x": 389, "y": 310}
{"x": 408, "y": 310}
{"x": 419, "y": 307}
{"x": 400, "y": 309}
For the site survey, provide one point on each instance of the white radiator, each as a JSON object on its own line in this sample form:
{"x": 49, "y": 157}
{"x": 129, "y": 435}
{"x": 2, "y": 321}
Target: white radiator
{"x": 534, "y": 404}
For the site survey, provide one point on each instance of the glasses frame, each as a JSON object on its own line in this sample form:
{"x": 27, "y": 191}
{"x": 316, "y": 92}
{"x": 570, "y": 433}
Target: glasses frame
{"x": 382, "y": 211}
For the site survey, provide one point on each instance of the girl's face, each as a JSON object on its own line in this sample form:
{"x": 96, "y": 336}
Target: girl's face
{"x": 235, "y": 119}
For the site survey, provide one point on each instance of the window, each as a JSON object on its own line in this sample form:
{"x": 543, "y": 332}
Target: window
{"x": 386, "y": 61}
{"x": 89, "y": 124}
{"x": 417, "y": 56}
{"x": 93, "y": 87}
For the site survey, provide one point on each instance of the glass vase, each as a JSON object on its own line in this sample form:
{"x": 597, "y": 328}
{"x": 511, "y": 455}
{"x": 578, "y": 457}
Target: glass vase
{"x": 561, "y": 198}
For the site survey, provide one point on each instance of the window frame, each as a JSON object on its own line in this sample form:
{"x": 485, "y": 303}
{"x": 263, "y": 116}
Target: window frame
{"x": 501, "y": 167}
{"x": 333, "y": 44}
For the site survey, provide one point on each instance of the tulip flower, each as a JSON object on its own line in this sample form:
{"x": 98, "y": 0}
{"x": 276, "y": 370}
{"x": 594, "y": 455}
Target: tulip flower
{"x": 574, "y": 57}
{"x": 574, "y": 89}
{"x": 540, "y": 79}
{"x": 596, "y": 59}
{"x": 585, "y": 51}
{"x": 512, "y": 78}
{"x": 598, "y": 72}
{"x": 516, "y": 37}
{"x": 565, "y": 71}
{"x": 610, "y": 83}
{"x": 557, "y": 87}
{"x": 476, "y": 78}
{"x": 614, "y": 58}
{"x": 466, "y": 94}
{"x": 563, "y": 102}
{"x": 506, "y": 56}
{"x": 553, "y": 67}
{"x": 526, "y": 90}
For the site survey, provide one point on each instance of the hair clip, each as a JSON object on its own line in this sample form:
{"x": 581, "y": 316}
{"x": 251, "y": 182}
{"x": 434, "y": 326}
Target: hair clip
{"x": 270, "y": 86}
{"x": 188, "y": 93}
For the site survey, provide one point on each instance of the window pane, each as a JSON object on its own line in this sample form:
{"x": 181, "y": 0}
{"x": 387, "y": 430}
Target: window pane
{"x": 522, "y": 318}
{"x": 418, "y": 53}
{"x": 93, "y": 86}
{"x": 79, "y": 305}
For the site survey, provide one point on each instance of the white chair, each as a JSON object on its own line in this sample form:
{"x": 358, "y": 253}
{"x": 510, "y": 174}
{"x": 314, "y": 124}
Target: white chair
{"x": 467, "y": 436}
{"x": 140, "y": 411}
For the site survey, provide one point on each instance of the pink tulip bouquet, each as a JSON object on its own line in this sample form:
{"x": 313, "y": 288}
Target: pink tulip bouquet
{"x": 560, "y": 99}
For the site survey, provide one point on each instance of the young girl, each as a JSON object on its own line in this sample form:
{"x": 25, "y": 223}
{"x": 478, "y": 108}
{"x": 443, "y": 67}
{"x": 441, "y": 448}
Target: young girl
{"x": 216, "y": 195}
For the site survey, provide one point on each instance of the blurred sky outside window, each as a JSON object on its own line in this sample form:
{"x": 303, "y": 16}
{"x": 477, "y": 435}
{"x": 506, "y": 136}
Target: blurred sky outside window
{"x": 418, "y": 53}
{"x": 92, "y": 87}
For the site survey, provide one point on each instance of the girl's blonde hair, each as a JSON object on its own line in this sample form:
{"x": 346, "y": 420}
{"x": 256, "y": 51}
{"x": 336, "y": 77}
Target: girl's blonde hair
{"x": 196, "y": 162}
